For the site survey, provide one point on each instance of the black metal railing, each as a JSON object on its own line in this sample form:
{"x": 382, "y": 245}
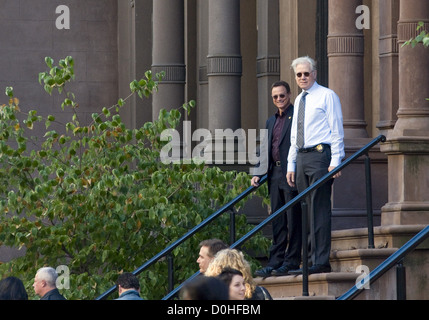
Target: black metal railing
{"x": 395, "y": 259}
{"x": 167, "y": 251}
{"x": 300, "y": 198}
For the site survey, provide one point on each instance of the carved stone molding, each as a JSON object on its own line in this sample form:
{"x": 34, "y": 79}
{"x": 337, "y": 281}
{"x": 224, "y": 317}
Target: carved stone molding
{"x": 388, "y": 45}
{"x": 202, "y": 75}
{"x": 173, "y": 73}
{"x": 223, "y": 65}
{"x": 408, "y": 30}
{"x": 268, "y": 67}
{"x": 345, "y": 45}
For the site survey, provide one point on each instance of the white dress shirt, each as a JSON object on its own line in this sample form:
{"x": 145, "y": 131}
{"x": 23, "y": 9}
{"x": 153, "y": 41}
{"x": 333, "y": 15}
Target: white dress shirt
{"x": 323, "y": 124}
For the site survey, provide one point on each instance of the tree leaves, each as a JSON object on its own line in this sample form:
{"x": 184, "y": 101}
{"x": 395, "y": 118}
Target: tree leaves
{"x": 97, "y": 199}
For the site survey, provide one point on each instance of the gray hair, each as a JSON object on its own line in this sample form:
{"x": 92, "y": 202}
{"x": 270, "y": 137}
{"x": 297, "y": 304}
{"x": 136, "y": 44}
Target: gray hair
{"x": 48, "y": 274}
{"x": 304, "y": 60}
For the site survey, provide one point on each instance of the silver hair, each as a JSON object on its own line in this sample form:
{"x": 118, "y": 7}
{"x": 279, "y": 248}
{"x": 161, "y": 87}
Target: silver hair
{"x": 48, "y": 274}
{"x": 304, "y": 60}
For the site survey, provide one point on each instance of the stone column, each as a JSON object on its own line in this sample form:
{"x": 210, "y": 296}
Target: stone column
{"x": 388, "y": 47}
{"x": 203, "y": 35}
{"x": 224, "y": 65}
{"x": 407, "y": 144}
{"x": 345, "y": 52}
{"x": 168, "y": 54}
{"x": 268, "y": 64}
{"x": 346, "y": 78}
{"x": 224, "y": 70}
{"x": 134, "y": 59}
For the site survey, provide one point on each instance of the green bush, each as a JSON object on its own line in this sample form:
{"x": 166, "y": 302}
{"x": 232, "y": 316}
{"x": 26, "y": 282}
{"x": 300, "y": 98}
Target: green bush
{"x": 96, "y": 198}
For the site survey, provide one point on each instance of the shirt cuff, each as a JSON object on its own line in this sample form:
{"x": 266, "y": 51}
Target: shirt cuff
{"x": 335, "y": 162}
{"x": 291, "y": 166}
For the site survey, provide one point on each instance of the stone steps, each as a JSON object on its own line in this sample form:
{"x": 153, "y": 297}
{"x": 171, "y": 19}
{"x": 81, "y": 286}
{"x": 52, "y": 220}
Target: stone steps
{"x": 326, "y": 285}
{"x": 350, "y": 258}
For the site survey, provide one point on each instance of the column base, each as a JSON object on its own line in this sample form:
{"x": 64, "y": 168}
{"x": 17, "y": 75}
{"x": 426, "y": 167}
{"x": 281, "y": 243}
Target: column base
{"x": 408, "y": 159}
{"x": 405, "y": 214}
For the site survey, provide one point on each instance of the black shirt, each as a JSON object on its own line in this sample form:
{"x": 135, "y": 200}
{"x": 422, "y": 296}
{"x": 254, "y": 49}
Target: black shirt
{"x": 277, "y": 135}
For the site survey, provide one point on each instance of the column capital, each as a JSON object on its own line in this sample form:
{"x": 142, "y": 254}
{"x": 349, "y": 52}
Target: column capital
{"x": 224, "y": 65}
{"x": 408, "y": 29}
{"x": 346, "y": 45}
{"x": 174, "y": 73}
{"x": 268, "y": 66}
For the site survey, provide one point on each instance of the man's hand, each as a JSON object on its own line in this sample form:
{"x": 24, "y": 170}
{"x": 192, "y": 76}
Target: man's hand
{"x": 290, "y": 177}
{"x": 255, "y": 181}
{"x": 337, "y": 175}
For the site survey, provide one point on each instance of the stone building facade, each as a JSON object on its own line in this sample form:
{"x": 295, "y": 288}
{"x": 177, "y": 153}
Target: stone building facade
{"x": 225, "y": 54}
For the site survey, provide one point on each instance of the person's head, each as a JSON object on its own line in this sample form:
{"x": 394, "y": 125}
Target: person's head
{"x": 208, "y": 250}
{"x": 205, "y": 288}
{"x": 127, "y": 281}
{"x": 232, "y": 258}
{"x": 235, "y": 281}
{"x": 45, "y": 281}
{"x": 12, "y": 288}
{"x": 280, "y": 92}
{"x": 305, "y": 72}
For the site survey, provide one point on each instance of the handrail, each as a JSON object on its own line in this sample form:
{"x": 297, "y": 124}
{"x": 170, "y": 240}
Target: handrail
{"x": 311, "y": 188}
{"x": 256, "y": 229}
{"x": 294, "y": 201}
{"x": 394, "y": 259}
{"x": 189, "y": 234}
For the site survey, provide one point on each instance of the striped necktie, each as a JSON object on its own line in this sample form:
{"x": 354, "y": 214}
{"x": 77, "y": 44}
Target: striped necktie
{"x": 301, "y": 115}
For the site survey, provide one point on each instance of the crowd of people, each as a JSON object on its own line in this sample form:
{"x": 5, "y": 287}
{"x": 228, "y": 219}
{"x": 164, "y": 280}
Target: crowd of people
{"x": 225, "y": 274}
{"x": 223, "y": 271}
{"x": 44, "y": 285}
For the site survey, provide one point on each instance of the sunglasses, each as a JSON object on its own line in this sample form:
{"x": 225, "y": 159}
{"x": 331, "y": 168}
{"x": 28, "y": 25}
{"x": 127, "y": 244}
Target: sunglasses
{"x": 300, "y": 74}
{"x": 281, "y": 96}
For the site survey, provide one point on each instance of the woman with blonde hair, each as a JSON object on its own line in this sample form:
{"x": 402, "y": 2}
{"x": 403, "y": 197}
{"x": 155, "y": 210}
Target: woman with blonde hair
{"x": 233, "y": 258}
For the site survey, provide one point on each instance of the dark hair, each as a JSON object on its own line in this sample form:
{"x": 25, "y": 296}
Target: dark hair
{"x": 227, "y": 274}
{"x": 205, "y": 288}
{"x": 214, "y": 245}
{"x": 281, "y": 84}
{"x": 127, "y": 280}
{"x": 12, "y": 288}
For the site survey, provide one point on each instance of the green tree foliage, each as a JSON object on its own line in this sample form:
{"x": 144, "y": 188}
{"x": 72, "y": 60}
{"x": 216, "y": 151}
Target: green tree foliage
{"x": 96, "y": 198}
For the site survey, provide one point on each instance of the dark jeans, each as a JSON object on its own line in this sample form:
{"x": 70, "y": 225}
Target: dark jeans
{"x": 287, "y": 228}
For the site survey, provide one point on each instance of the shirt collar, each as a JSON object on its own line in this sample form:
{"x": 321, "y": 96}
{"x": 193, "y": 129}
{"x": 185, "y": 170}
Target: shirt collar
{"x": 313, "y": 88}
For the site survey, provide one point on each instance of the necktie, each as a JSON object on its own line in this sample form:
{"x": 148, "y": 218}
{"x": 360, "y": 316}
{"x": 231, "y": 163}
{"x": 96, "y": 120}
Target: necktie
{"x": 301, "y": 114}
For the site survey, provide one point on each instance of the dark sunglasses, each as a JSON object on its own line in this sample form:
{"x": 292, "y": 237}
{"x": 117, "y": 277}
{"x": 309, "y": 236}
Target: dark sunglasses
{"x": 282, "y": 96}
{"x": 306, "y": 74}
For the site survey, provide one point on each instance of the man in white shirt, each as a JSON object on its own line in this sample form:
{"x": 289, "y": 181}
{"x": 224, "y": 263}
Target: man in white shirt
{"x": 321, "y": 151}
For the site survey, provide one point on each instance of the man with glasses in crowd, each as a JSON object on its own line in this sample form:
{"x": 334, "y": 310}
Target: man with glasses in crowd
{"x": 315, "y": 150}
{"x": 285, "y": 251}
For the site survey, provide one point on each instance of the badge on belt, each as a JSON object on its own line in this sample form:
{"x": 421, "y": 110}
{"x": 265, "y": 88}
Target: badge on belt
{"x": 319, "y": 148}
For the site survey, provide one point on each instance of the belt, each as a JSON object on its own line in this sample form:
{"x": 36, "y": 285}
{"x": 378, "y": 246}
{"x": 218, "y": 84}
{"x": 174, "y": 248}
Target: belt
{"x": 278, "y": 163}
{"x": 319, "y": 148}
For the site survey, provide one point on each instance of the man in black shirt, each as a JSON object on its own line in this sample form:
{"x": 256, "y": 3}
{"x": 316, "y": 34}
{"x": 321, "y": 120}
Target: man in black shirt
{"x": 285, "y": 252}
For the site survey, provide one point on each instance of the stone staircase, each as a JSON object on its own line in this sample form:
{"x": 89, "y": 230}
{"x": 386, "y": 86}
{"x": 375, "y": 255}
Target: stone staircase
{"x": 350, "y": 258}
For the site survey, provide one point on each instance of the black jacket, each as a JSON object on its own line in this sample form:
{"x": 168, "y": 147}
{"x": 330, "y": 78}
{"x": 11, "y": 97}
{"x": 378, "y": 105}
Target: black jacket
{"x": 284, "y": 143}
{"x": 53, "y": 295}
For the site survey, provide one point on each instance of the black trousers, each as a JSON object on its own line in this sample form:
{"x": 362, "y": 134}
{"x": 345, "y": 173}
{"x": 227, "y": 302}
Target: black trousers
{"x": 287, "y": 227}
{"x": 310, "y": 167}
